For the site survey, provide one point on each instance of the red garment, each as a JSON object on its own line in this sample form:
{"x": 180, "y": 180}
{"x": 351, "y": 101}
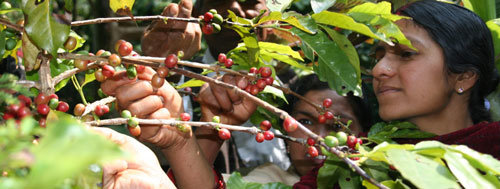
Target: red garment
{"x": 483, "y": 137}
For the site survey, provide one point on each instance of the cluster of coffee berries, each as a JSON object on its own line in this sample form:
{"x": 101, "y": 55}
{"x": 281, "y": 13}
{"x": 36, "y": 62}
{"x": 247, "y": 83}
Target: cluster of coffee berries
{"x": 322, "y": 118}
{"x": 224, "y": 60}
{"x": 210, "y": 22}
{"x": 185, "y": 128}
{"x": 159, "y": 78}
{"x": 46, "y": 102}
{"x": 18, "y": 111}
{"x": 10, "y": 38}
{"x": 267, "y": 134}
{"x": 263, "y": 78}
{"x": 132, "y": 123}
{"x": 224, "y": 134}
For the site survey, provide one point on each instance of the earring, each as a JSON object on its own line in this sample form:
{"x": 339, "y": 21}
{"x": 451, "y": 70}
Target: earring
{"x": 460, "y": 90}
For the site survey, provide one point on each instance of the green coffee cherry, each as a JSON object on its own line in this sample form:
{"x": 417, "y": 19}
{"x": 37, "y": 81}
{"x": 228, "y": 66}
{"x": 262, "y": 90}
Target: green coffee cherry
{"x": 213, "y": 11}
{"x": 10, "y": 44}
{"x": 126, "y": 114}
{"x": 342, "y": 137}
{"x": 133, "y": 122}
{"x": 53, "y": 103}
{"x": 331, "y": 141}
{"x": 218, "y": 19}
{"x": 131, "y": 72}
{"x": 5, "y": 5}
{"x": 216, "y": 119}
{"x": 216, "y": 27}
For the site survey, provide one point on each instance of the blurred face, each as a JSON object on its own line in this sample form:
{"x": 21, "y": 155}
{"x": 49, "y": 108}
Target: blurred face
{"x": 227, "y": 39}
{"x": 308, "y": 116}
{"x": 411, "y": 84}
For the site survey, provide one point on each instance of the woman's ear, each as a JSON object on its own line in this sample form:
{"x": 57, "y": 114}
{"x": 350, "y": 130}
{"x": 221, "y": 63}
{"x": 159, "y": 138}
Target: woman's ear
{"x": 465, "y": 81}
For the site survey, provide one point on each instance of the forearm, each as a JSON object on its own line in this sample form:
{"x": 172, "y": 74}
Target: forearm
{"x": 209, "y": 142}
{"x": 191, "y": 169}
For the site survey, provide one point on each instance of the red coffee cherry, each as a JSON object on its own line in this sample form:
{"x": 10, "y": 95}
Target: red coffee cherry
{"x": 7, "y": 116}
{"x": 265, "y": 125}
{"x": 351, "y": 141}
{"x": 259, "y": 137}
{"x": 13, "y": 108}
{"x": 222, "y": 58}
{"x": 228, "y": 63}
{"x": 25, "y": 100}
{"x": 79, "y": 109}
{"x": 261, "y": 83}
{"x": 207, "y": 29}
{"x": 253, "y": 70}
{"x": 108, "y": 71}
{"x": 185, "y": 117}
{"x": 100, "y": 110}
{"x": 322, "y": 119}
{"x": 118, "y": 43}
{"x": 42, "y": 122}
{"x": 329, "y": 115}
{"x": 140, "y": 68}
{"x": 224, "y": 134}
{"x": 43, "y": 109}
{"x": 41, "y": 99}
{"x": 23, "y": 112}
{"x": 134, "y": 131}
{"x": 327, "y": 102}
{"x": 80, "y": 64}
{"x": 269, "y": 80}
{"x": 171, "y": 61}
{"x": 114, "y": 60}
{"x": 312, "y": 151}
{"x": 63, "y": 106}
{"x": 157, "y": 81}
{"x": 268, "y": 135}
{"x": 311, "y": 141}
{"x": 208, "y": 16}
{"x": 125, "y": 49}
{"x": 162, "y": 71}
{"x": 99, "y": 76}
{"x": 265, "y": 71}
{"x": 290, "y": 124}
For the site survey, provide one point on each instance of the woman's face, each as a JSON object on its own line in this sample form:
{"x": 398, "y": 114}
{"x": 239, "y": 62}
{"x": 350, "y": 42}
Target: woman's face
{"x": 411, "y": 84}
{"x": 308, "y": 116}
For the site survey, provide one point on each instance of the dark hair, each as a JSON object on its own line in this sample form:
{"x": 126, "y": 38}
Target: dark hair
{"x": 312, "y": 82}
{"x": 467, "y": 45}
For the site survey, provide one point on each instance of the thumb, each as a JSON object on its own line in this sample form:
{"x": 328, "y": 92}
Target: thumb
{"x": 185, "y": 8}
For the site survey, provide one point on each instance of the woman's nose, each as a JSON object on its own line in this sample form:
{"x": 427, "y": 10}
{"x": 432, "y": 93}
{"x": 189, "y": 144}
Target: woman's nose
{"x": 237, "y": 9}
{"x": 383, "y": 69}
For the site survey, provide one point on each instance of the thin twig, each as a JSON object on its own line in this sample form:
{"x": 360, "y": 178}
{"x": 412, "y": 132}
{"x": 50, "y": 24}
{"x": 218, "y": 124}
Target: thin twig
{"x": 11, "y": 25}
{"x": 150, "y": 18}
{"x": 91, "y": 107}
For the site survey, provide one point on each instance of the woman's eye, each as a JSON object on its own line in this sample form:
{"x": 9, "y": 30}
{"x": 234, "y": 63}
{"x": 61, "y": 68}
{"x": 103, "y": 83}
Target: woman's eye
{"x": 305, "y": 121}
{"x": 407, "y": 54}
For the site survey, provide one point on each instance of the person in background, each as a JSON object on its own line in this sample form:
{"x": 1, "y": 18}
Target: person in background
{"x": 440, "y": 86}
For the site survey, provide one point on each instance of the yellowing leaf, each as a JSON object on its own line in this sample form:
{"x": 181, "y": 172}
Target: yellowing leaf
{"x": 290, "y": 19}
{"x": 115, "y": 5}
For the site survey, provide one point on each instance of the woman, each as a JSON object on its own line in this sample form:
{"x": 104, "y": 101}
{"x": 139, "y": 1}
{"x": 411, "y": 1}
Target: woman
{"x": 348, "y": 108}
{"x": 440, "y": 87}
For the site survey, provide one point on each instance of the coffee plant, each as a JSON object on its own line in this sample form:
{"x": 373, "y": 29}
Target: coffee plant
{"x": 45, "y": 145}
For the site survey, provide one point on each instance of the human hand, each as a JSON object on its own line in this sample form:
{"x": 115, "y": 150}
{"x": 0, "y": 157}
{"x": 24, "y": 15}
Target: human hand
{"x": 163, "y": 39}
{"x": 142, "y": 170}
{"x": 219, "y": 101}
{"x": 143, "y": 101}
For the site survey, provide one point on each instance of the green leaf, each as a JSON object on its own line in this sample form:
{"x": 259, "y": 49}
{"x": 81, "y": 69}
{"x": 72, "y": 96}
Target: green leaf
{"x": 30, "y": 53}
{"x": 376, "y": 169}
{"x": 484, "y": 162}
{"x": 284, "y": 58}
{"x": 321, "y": 5}
{"x": 346, "y": 47}
{"x": 279, "y": 48}
{"x": 41, "y": 27}
{"x": 2, "y": 43}
{"x": 398, "y": 184}
{"x": 236, "y": 181}
{"x": 485, "y": 9}
{"x": 378, "y": 152}
{"x": 237, "y": 19}
{"x": 10, "y": 10}
{"x": 251, "y": 42}
{"x": 420, "y": 170}
{"x": 333, "y": 64}
{"x": 191, "y": 83}
{"x": 346, "y": 22}
{"x": 58, "y": 66}
{"x": 276, "y": 92}
{"x": 278, "y": 5}
{"x": 349, "y": 179}
{"x": 328, "y": 174}
{"x": 383, "y": 131}
{"x": 467, "y": 175}
{"x": 289, "y": 18}
{"x": 305, "y": 20}
{"x": 115, "y": 5}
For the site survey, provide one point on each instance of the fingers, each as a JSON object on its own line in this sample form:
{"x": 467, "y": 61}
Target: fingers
{"x": 185, "y": 8}
{"x": 110, "y": 85}
{"x": 110, "y": 170}
{"x": 222, "y": 98}
{"x": 146, "y": 106}
{"x": 128, "y": 93}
